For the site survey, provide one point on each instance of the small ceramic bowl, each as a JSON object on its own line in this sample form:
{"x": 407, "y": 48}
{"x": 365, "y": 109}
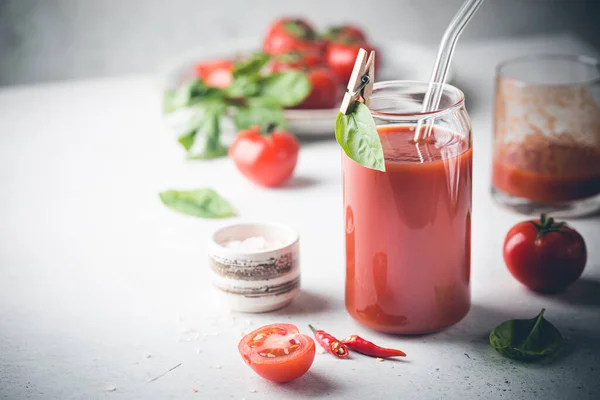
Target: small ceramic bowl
{"x": 255, "y": 280}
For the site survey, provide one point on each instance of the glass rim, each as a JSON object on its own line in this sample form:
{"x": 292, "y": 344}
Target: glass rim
{"x": 417, "y": 115}
{"x": 576, "y": 58}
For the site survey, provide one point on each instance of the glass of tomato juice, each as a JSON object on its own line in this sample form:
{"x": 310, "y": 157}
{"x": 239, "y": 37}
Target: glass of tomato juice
{"x": 547, "y": 135}
{"x": 408, "y": 229}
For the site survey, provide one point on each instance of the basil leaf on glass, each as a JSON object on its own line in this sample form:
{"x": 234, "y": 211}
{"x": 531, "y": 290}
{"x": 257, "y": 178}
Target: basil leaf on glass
{"x": 259, "y": 111}
{"x": 526, "y": 339}
{"x": 202, "y": 203}
{"x": 357, "y": 134}
{"x": 287, "y": 88}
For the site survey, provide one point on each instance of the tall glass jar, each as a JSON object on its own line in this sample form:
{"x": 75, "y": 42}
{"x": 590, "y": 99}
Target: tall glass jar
{"x": 547, "y": 135}
{"x": 408, "y": 229}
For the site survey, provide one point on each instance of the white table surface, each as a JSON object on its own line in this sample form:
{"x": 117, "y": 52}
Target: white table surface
{"x": 103, "y": 288}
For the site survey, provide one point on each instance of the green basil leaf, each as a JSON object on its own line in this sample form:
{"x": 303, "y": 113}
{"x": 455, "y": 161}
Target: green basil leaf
{"x": 190, "y": 93}
{"x": 206, "y": 142}
{"x": 186, "y": 131}
{"x": 203, "y": 203}
{"x": 287, "y": 88}
{"x": 526, "y": 339}
{"x": 357, "y": 134}
{"x": 252, "y": 65}
{"x": 243, "y": 86}
{"x": 168, "y": 101}
{"x": 187, "y": 139}
{"x": 258, "y": 111}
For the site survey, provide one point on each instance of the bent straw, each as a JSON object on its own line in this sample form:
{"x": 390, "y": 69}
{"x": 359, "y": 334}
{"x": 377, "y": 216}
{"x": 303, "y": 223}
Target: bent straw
{"x": 433, "y": 96}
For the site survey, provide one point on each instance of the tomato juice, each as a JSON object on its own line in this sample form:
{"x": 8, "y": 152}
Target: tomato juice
{"x": 408, "y": 232}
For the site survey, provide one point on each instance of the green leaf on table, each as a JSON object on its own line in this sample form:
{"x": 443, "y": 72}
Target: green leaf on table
{"x": 357, "y": 134}
{"x": 206, "y": 142}
{"x": 252, "y": 65}
{"x": 203, "y": 203}
{"x": 287, "y": 88}
{"x": 259, "y": 111}
{"x": 526, "y": 339}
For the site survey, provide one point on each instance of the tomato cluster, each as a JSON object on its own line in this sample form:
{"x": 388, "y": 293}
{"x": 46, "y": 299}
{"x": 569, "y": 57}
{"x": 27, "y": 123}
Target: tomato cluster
{"x": 269, "y": 158}
{"x": 327, "y": 58}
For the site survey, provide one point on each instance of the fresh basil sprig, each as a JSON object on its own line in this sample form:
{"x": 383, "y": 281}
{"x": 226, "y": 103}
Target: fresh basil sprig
{"x": 203, "y": 203}
{"x": 356, "y": 133}
{"x": 253, "y": 65}
{"x": 253, "y": 98}
{"x": 259, "y": 111}
{"x": 287, "y": 88}
{"x": 526, "y": 339}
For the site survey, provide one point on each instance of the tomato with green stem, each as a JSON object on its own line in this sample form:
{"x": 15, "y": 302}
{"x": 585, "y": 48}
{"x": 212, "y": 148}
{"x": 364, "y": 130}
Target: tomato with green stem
{"x": 544, "y": 255}
{"x": 278, "y": 352}
{"x": 267, "y": 160}
{"x": 295, "y": 60}
{"x": 291, "y": 34}
{"x": 344, "y": 32}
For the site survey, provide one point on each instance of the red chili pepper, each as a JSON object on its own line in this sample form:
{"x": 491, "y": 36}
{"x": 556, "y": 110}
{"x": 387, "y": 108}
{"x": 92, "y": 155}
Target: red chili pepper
{"x": 365, "y": 347}
{"x": 330, "y": 343}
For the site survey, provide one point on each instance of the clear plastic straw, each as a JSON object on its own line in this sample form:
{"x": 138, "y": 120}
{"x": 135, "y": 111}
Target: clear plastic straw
{"x": 432, "y": 99}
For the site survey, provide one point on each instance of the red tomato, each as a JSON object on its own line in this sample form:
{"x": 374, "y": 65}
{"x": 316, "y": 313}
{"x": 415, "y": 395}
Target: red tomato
{"x": 287, "y": 34}
{"x": 340, "y": 58}
{"x": 218, "y": 74}
{"x": 544, "y": 255}
{"x": 295, "y": 60}
{"x": 267, "y": 160}
{"x": 324, "y": 92}
{"x": 278, "y": 352}
{"x": 345, "y": 33}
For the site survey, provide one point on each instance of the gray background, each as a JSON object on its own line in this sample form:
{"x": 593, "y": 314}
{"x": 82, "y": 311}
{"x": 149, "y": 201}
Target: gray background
{"x": 44, "y": 40}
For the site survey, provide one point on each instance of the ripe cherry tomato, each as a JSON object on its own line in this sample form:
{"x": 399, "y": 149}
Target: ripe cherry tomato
{"x": 267, "y": 160}
{"x": 544, "y": 255}
{"x": 218, "y": 74}
{"x": 295, "y": 60}
{"x": 278, "y": 352}
{"x": 345, "y": 32}
{"x": 324, "y": 92}
{"x": 286, "y": 34}
{"x": 340, "y": 57}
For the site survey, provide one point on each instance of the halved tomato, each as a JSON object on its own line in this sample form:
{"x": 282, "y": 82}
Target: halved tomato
{"x": 278, "y": 352}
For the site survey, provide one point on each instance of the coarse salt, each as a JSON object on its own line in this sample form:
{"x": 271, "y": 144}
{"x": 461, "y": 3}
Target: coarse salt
{"x": 254, "y": 243}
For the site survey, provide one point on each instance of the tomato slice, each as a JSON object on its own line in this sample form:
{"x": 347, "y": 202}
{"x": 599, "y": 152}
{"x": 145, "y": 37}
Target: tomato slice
{"x": 278, "y": 352}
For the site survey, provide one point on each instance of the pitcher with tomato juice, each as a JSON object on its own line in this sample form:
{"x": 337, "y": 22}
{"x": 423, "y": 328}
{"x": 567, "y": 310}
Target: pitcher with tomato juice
{"x": 408, "y": 229}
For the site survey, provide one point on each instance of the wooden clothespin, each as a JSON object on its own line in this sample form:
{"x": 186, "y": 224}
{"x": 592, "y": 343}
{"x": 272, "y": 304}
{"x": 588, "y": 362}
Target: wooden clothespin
{"x": 361, "y": 81}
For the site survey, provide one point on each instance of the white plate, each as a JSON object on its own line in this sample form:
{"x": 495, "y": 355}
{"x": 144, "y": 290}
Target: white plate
{"x": 399, "y": 60}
